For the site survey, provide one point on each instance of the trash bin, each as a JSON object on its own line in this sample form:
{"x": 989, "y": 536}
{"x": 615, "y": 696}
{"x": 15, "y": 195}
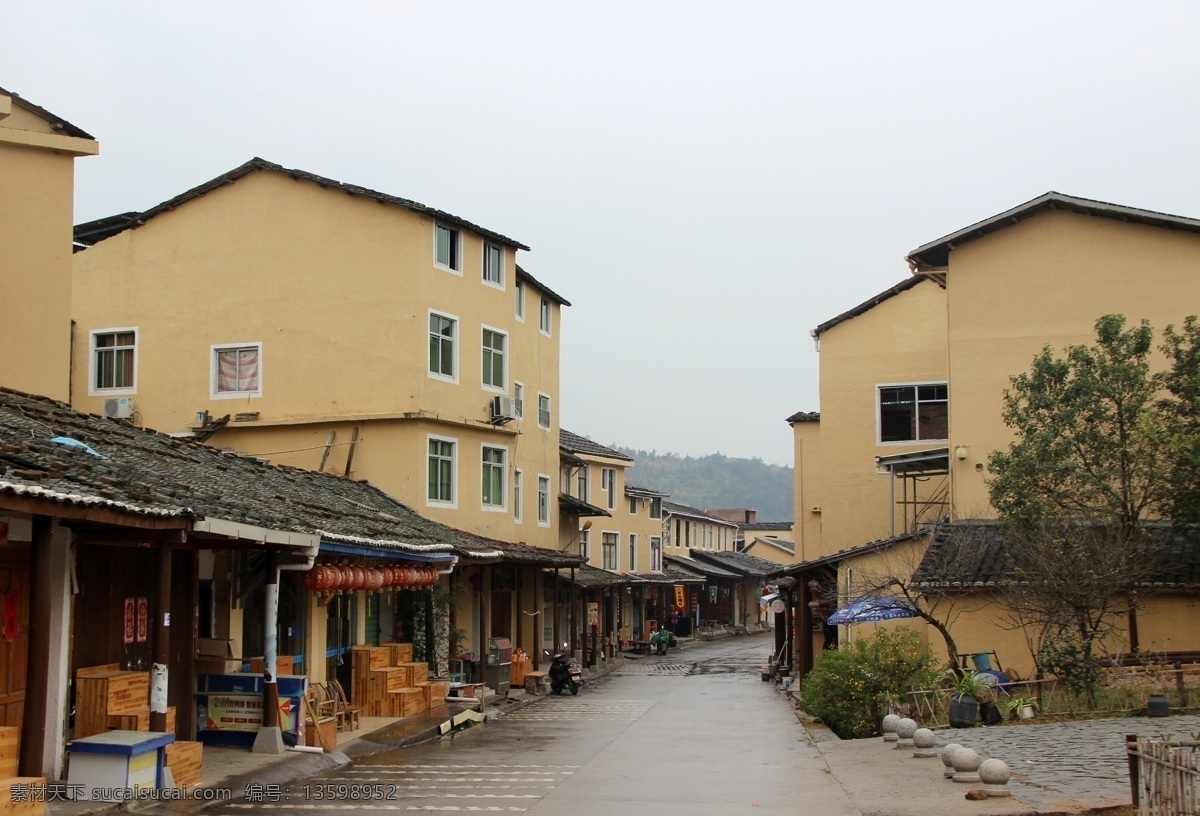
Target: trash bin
{"x": 982, "y": 661}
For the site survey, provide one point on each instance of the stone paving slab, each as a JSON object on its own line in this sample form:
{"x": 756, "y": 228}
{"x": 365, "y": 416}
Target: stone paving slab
{"x": 1058, "y": 767}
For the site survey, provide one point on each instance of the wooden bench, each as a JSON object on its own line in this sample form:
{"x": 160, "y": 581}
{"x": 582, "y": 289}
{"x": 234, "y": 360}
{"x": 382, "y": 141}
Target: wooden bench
{"x": 640, "y": 646}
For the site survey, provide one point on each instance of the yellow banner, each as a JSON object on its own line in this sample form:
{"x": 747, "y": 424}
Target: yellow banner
{"x": 680, "y": 597}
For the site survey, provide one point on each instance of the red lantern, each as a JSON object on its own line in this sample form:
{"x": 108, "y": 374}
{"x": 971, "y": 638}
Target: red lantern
{"x": 429, "y": 577}
{"x": 313, "y": 579}
{"x": 394, "y": 577}
{"x": 344, "y": 577}
{"x": 374, "y": 579}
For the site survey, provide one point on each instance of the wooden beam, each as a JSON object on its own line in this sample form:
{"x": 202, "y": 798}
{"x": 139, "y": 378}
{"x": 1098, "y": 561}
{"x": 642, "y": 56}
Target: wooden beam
{"x": 97, "y": 515}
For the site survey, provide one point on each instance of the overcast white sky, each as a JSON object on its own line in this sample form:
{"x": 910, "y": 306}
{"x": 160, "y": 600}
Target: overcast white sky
{"x": 704, "y": 181}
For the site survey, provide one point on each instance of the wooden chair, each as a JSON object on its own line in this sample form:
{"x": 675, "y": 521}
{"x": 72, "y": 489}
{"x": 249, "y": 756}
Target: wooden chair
{"x": 316, "y": 723}
{"x": 346, "y": 713}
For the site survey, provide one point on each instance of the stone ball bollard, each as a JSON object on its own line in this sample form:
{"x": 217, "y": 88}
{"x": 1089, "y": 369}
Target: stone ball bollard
{"x": 966, "y": 766}
{"x": 995, "y": 773}
{"x": 948, "y": 758}
{"x": 905, "y": 730}
{"x": 924, "y": 741}
{"x": 889, "y": 728}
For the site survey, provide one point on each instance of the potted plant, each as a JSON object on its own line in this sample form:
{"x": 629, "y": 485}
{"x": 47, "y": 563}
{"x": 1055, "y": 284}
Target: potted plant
{"x": 964, "y": 700}
{"x": 1020, "y": 707}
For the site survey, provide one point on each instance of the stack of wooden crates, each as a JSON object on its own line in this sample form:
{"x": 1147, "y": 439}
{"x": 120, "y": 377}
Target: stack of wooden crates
{"x": 387, "y": 683}
{"x": 30, "y": 797}
{"x": 109, "y": 699}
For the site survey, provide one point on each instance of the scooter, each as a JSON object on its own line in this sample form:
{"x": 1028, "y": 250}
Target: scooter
{"x": 564, "y": 674}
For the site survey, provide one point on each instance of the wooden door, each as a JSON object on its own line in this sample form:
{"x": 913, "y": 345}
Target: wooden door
{"x": 15, "y": 587}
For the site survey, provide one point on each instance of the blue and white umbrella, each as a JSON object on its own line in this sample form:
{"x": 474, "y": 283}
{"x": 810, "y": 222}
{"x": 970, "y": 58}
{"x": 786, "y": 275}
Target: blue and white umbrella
{"x": 869, "y": 610}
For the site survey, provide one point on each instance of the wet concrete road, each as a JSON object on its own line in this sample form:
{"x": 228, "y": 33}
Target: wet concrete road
{"x": 693, "y": 732}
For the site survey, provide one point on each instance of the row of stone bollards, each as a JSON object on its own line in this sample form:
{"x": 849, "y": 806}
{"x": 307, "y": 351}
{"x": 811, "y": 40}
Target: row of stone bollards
{"x": 962, "y": 763}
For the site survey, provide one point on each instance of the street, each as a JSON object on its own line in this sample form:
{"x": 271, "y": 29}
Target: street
{"x": 695, "y": 731}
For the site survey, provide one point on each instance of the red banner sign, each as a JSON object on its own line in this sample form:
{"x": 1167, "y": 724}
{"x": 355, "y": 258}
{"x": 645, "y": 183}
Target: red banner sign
{"x": 130, "y": 614}
{"x": 12, "y": 614}
{"x": 143, "y": 620}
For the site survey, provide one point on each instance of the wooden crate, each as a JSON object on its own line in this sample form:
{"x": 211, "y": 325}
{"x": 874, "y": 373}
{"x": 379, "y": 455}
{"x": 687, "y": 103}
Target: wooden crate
{"x": 401, "y": 653}
{"x": 29, "y": 802}
{"x": 186, "y": 761}
{"x": 98, "y": 695}
{"x": 419, "y": 672}
{"x": 407, "y": 702}
{"x": 363, "y": 661}
{"x": 435, "y": 692}
{"x": 10, "y": 743}
{"x": 328, "y": 729}
{"x": 138, "y": 719}
{"x": 88, "y": 671}
{"x": 284, "y": 664}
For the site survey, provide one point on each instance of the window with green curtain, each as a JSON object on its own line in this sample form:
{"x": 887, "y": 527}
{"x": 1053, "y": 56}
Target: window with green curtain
{"x": 493, "y": 358}
{"x": 493, "y": 477}
{"x": 441, "y": 470}
{"x": 441, "y": 345}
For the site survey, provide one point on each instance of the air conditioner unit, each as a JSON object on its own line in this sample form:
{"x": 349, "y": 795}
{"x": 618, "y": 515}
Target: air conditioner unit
{"x": 119, "y": 407}
{"x": 504, "y": 409}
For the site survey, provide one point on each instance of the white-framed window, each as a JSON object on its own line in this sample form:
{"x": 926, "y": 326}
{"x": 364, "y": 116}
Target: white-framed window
{"x": 520, "y": 300}
{"x": 543, "y": 500}
{"x": 447, "y": 248}
{"x": 913, "y": 412}
{"x": 632, "y": 506}
{"x": 494, "y": 344}
{"x": 442, "y": 475}
{"x": 519, "y": 399}
{"x": 518, "y": 489}
{"x": 443, "y": 346}
{"x": 585, "y": 545}
{"x": 493, "y": 264}
{"x": 656, "y": 553}
{"x": 235, "y": 370}
{"x": 608, "y": 550}
{"x": 633, "y": 552}
{"x": 543, "y": 411}
{"x": 656, "y": 508}
{"x": 608, "y": 482}
{"x": 113, "y": 361}
{"x": 494, "y": 462}
{"x": 546, "y": 316}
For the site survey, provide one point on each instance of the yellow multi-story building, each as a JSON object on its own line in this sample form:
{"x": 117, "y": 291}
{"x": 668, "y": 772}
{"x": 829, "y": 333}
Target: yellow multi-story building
{"x": 37, "y": 194}
{"x": 331, "y": 327}
{"x": 912, "y": 383}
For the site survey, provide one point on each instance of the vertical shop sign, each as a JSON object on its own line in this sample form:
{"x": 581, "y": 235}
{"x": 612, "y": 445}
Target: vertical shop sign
{"x": 130, "y": 618}
{"x": 143, "y": 620}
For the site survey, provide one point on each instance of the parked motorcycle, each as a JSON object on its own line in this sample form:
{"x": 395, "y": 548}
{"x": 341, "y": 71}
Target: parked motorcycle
{"x": 564, "y": 673}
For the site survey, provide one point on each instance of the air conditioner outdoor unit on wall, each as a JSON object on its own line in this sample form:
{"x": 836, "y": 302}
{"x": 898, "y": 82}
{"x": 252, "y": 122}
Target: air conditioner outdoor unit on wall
{"x": 118, "y": 407}
{"x": 504, "y": 409}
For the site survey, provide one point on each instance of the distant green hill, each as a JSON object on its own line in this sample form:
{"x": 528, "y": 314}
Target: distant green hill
{"x": 716, "y": 481}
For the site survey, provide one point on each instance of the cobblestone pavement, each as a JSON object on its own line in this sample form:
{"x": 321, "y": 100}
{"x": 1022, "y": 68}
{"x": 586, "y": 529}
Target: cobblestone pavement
{"x": 1056, "y": 763}
{"x": 657, "y": 667}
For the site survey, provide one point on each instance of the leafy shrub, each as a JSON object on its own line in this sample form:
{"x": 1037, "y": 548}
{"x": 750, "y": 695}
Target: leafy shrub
{"x": 849, "y": 687}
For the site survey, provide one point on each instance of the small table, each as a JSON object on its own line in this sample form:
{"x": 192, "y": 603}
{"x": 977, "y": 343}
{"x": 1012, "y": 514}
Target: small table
{"x": 116, "y": 760}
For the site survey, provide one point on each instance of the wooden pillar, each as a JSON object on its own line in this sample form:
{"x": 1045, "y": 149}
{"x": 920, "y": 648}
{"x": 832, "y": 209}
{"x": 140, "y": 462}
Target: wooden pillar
{"x": 161, "y": 652}
{"x": 554, "y": 624}
{"x": 37, "y": 672}
{"x": 271, "y": 643}
{"x": 571, "y": 619}
{"x": 804, "y": 656}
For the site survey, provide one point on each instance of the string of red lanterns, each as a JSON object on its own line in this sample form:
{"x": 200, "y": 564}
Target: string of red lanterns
{"x": 335, "y": 579}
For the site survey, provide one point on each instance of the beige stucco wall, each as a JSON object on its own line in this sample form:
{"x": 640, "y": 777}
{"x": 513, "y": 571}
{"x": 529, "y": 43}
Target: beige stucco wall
{"x": 37, "y": 173}
{"x": 902, "y": 340}
{"x": 338, "y": 290}
{"x": 806, "y": 440}
{"x": 1043, "y": 281}
{"x": 621, "y": 521}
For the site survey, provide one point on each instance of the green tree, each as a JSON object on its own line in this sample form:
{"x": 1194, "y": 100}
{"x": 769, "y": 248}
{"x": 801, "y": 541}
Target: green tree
{"x": 1084, "y": 472}
{"x": 1180, "y": 407}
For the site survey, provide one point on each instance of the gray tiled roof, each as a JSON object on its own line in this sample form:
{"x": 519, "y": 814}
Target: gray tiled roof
{"x": 868, "y": 305}
{"x": 582, "y": 446}
{"x": 640, "y": 492}
{"x": 768, "y": 525}
{"x": 674, "y": 508}
{"x": 804, "y": 416}
{"x": 992, "y": 559}
{"x": 705, "y": 568}
{"x": 143, "y": 473}
{"x": 739, "y": 563}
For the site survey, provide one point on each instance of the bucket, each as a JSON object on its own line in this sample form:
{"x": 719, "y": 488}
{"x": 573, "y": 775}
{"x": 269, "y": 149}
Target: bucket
{"x": 1157, "y": 706}
{"x": 964, "y": 711}
{"x": 982, "y": 661}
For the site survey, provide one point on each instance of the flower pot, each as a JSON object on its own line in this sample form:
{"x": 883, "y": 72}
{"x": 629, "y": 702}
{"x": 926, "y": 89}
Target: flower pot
{"x": 964, "y": 711}
{"x": 1025, "y": 712}
{"x": 1157, "y": 706}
